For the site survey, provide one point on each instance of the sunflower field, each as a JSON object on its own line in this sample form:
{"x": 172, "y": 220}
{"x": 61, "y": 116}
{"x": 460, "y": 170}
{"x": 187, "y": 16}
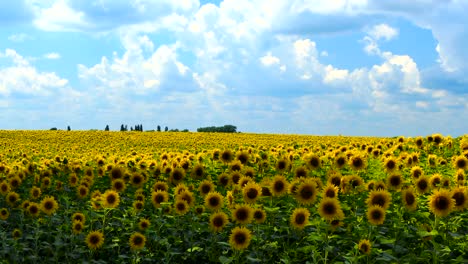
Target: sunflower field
{"x": 168, "y": 197}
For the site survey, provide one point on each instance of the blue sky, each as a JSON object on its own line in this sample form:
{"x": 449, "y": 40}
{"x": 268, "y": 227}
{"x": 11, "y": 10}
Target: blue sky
{"x": 350, "y": 67}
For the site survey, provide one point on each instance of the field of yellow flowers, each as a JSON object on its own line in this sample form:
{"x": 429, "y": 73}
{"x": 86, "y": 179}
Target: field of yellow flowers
{"x": 167, "y": 197}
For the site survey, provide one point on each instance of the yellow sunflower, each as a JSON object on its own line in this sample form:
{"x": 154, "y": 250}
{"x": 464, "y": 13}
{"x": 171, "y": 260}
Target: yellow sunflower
{"x": 251, "y": 192}
{"x": 375, "y": 215}
{"x": 33, "y": 209}
{"x": 77, "y": 227}
{"x": 95, "y": 240}
{"x": 137, "y": 241}
{"x": 205, "y": 187}
{"x": 409, "y": 199}
{"x": 365, "y": 246}
{"x": 242, "y": 214}
{"x": 158, "y": 197}
{"x": 300, "y": 218}
{"x": 422, "y": 185}
{"x": 110, "y": 199}
{"x": 181, "y": 206}
{"x": 4, "y": 214}
{"x": 441, "y": 203}
{"x": 49, "y": 205}
{"x": 118, "y": 185}
{"x": 16, "y": 234}
{"x": 381, "y": 198}
{"x": 214, "y": 201}
{"x": 239, "y": 238}
{"x": 330, "y": 209}
{"x": 259, "y": 215}
{"x": 12, "y": 198}
{"x": 279, "y": 185}
{"x": 144, "y": 224}
{"x": 78, "y": 217}
{"x": 306, "y": 192}
{"x": 460, "y": 196}
{"x": 218, "y": 221}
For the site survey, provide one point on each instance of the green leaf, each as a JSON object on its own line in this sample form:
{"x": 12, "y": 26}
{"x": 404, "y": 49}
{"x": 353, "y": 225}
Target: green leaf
{"x": 224, "y": 259}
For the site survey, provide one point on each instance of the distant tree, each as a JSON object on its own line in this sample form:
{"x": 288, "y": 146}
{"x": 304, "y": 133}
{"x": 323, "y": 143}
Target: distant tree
{"x": 141, "y": 127}
{"x": 166, "y": 129}
{"x": 223, "y": 129}
{"x": 68, "y": 128}
{"x": 125, "y": 128}
{"x": 131, "y": 128}
{"x": 185, "y": 130}
{"x": 54, "y": 128}
{"x": 107, "y": 128}
{"x": 122, "y": 128}
{"x": 159, "y": 128}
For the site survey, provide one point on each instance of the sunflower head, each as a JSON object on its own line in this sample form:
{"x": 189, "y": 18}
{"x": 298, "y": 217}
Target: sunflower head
{"x": 77, "y": 227}
{"x": 422, "y": 185}
{"x": 381, "y": 198}
{"x": 95, "y": 240}
{"x": 49, "y": 205}
{"x": 357, "y": 162}
{"x": 375, "y": 215}
{"x": 110, "y": 199}
{"x": 441, "y": 203}
{"x": 301, "y": 172}
{"x": 300, "y": 218}
{"x": 4, "y": 213}
{"x": 313, "y": 161}
{"x": 409, "y": 199}
{"x": 460, "y": 162}
{"x": 16, "y": 234}
{"x": 282, "y": 164}
{"x": 78, "y": 217}
{"x": 198, "y": 171}
{"x": 330, "y": 209}
{"x": 279, "y": 185}
{"x": 239, "y": 238}
{"x": 242, "y": 214}
{"x": 243, "y": 157}
{"x": 395, "y": 181}
{"x": 224, "y": 179}
{"x": 137, "y": 241}
{"x": 364, "y": 246}
{"x": 158, "y": 197}
{"x": 226, "y": 156}
{"x": 205, "y": 187}
{"x": 416, "y": 172}
{"x": 460, "y": 196}
{"x": 181, "y": 207}
{"x": 214, "y": 201}
{"x": 251, "y": 191}
{"x": 118, "y": 185}
{"x": 259, "y": 215}
{"x": 218, "y": 221}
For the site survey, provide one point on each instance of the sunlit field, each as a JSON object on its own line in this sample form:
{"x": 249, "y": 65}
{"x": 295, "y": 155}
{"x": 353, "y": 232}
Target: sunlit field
{"x": 167, "y": 197}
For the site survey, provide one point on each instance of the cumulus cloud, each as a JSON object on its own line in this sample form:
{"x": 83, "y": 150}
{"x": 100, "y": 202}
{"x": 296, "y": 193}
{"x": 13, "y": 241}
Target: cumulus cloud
{"x": 52, "y": 56}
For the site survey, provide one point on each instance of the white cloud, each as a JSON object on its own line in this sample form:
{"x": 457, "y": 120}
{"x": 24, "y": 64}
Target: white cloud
{"x": 21, "y": 37}
{"x": 22, "y": 78}
{"x": 52, "y": 56}
{"x": 61, "y": 17}
{"x": 383, "y": 31}
{"x": 269, "y": 60}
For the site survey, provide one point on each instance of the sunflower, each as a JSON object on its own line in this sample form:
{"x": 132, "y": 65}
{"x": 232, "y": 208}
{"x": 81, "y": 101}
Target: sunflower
{"x": 77, "y": 227}
{"x": 381, "y": 198}
{"x": 460, "y": 196}
{"x": 301, "y": 172}
{"x": 259, "y": 215}
{"x": 95, "y": 240}
{"x": 82, "y": 191}
{"x": 138, "y": 205}
{"x": 460, "y": 162}
{"x": 177, "y": 175}
{"x": 35, "y": 192}
{"x": 340, "y": 161}
{"x": 181, "y": 206}
{"x": 243, "y": 157}
{"x": 251, "y": 192}
{"x": 214, "y": 201}
{"x": 118, "y": 185}
{"x": 235, "y": 177}
{"x": 73, "y": 180}
{"x": 45, "y": 183}
{"x": 224, "y": 179}
{"x": 137, "y": 241}
{"x": 357, "y": 162}
{"x": 161, "y": 186}
{"x": 187, "y": 196}
{"x": 282, "y": 164}
{"x": 376, "y": 215}
{"x": 4, "y": 188}
{"x": 78, "y": 217}
{"x": 144, "y": 224}
{"x": 243, "y": 181}
{"x": 218, "y": 221}
{"x": 12, "y": 198}
{"x": 313, "y": 161}
{"x": 334, "y": 177}
{"x": 409, "y": 200}
{"x": 4, "y": 214}
{"x": 416, "y": 172}
{"x": 459, "y": 177}
{"x": 441, "y": 203}
{"x": 395, "y": 181}
{"x": 330, "y": 209}
{"x": 419, "y": 142}
{"x": 300, "y": 218}
{"x": 34, "y": 209}
{"x": 226, "y": 156}
{"x": 330, "y": 191}
{"x": 158, "y": 197}
{"x": 198, "y": 171}
{"x": 435, "y": 180}
{"x": 390, "y": 164}
{"x": 49, "y": 205}
{"x": 351, "y": 182}
{"x": 16, "y": 234}
{"x": 365, "y": 246}
{"x": 110, "y": 199}
{"x": 239, "y": 238}
{"x": 205, "y": 187}
{"x": 279, "y": 185}
{"x": 242, "y": 214}
{"x": 306, "y": 192}
{"x": 15, "y": 182}
{"x": 422, "y": 185}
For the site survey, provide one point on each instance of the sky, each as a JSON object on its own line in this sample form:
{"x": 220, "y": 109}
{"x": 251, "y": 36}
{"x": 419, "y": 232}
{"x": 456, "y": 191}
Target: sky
{"x": 336, "y": 67}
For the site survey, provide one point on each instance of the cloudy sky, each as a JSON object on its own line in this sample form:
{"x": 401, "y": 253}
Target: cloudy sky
{"x": 351, "y": 67}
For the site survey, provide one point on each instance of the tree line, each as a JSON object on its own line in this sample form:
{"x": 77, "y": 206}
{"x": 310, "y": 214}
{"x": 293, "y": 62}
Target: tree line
{"x": 139, "y": 127}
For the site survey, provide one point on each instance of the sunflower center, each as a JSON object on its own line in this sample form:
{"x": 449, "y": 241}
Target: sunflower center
{"x": 422, "y": 185}
{"x": 459, "y": 198}
{"x": 252, "y": 193}
{"x": 330, "y": 193}
{"x": 357, "y": 162}
{"x": 300, "y": 219}
{"x": 138, "y": 240}
{"x": 307, "y": 192}
{"x": 258, "y": 215}
{"x": 341, "y": 161}
{"x": 314, "y": 162}
{"x": 329, "y": 209}
{"x": 94, "y": 239}
{"x": 214, "y": 201}
{"x": 391, "y": 164}
{"x": 180, "y": 206}
{"x": 441, "y": 203}
{"x": 281, "y": 165}
{"x": 378, "y": 200}
{"x": 279, "y": 186}
{"x": 218, "y": 221}
{"x": 240, "y": 238}
{"x": 206, "y": 188}
{"x": 241, "y": 214}
{"x": 336, "y": 181}
{"x": 376, "y": 214}
{"x": 409, "y": 198}
{"x": 48, "y": 205}
{"x": 111, "y": 199}
{"x": 395, "y": 181}
{"x": 461, "y": 163}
